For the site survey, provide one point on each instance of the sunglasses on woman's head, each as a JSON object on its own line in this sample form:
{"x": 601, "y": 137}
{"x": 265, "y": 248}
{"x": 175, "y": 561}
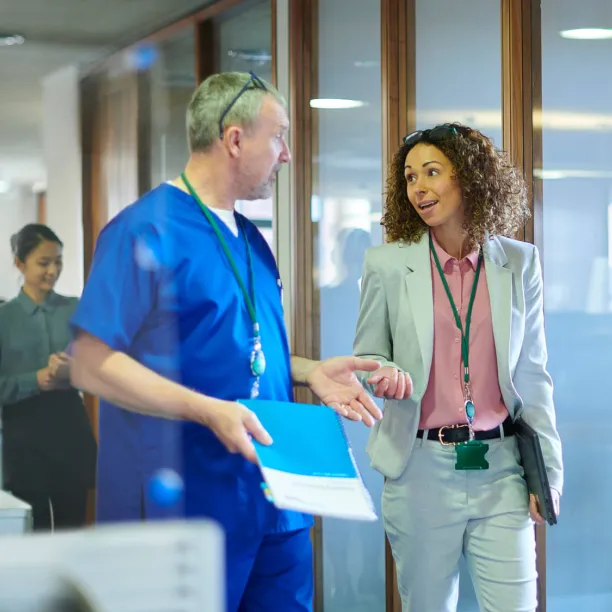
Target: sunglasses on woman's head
{"x": 434, "y": 135}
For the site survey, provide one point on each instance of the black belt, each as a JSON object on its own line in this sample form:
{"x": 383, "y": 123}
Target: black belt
{"x": 456, "y": 434}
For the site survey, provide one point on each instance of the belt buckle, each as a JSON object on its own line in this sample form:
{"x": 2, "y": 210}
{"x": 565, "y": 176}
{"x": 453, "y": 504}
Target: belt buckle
{"x": 441, "y": 433}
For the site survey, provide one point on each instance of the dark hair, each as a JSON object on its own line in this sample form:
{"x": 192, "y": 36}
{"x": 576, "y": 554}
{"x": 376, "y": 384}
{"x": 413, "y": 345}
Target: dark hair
{"x": 29, "y": 237}
{"x": 493, "y": 190}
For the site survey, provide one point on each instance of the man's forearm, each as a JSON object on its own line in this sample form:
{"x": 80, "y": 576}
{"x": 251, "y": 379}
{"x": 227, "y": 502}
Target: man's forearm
{"x": 301, "y": 369}
{"x": 121, "y": 380}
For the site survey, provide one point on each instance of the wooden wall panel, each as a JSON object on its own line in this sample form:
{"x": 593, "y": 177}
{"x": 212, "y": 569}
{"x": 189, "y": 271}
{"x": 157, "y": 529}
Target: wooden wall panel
{"x": 303, "y": 78}
{"x": 522, "y": 99}
{"x": 93, "y": 197}
{"x": 116, "y": 167}
{"x": 398, "y": 67}
{"x": 302, "y": 73}
{"x": 522, "y": 138}
{"x": 41, "y": 207}
{"x": 398, "y": 64}
{"x": 206, "y": 60}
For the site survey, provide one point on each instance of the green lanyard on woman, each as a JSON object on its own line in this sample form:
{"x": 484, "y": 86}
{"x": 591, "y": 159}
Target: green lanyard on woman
{"x": 470, "y": 455}
{"x": 257, "y": 359}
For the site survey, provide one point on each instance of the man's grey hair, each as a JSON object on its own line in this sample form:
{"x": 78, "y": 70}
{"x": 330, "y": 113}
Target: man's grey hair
{"x": 211, "y": 99}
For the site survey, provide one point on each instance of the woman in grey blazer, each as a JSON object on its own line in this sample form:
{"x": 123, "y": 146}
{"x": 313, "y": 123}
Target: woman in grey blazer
{"x": 452, "y": 308}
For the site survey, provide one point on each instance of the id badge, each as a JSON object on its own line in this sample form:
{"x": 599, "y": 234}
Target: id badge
{"x": 471, "y": 455}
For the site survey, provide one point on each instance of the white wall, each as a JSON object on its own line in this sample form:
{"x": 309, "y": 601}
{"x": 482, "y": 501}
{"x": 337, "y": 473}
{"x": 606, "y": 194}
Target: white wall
{"x": 63, "y": 161}
{"x": 17, "y": 208}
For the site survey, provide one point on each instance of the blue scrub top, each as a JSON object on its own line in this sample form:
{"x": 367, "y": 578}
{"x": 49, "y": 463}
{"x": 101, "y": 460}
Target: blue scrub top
{"x": 161, "y": 290}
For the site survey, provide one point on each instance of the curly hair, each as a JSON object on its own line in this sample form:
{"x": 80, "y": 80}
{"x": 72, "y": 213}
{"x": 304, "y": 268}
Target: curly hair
{"x": 493, "y": 190}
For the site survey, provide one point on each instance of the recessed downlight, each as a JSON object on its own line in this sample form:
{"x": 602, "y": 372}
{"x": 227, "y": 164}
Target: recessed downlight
{"x": 587, "y": 33}
{"x": 335, "y": 103}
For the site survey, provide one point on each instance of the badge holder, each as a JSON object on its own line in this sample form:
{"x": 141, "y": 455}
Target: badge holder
{"x": 471, "y": 454}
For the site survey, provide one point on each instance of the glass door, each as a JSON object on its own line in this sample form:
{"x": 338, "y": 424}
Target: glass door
{"x": 577, "y": 263}
{"x": 346, "y": 210}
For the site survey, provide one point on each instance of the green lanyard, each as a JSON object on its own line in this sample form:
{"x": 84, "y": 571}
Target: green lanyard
{"x": 257, "y": 357}
{"x": 465, "y": 335}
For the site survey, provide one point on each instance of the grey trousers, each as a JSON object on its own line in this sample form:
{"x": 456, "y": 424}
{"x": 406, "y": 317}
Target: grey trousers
{"x": 433, "y": 514}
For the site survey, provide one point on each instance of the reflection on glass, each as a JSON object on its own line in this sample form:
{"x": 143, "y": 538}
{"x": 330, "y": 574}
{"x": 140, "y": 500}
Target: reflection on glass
{"x": 244, "y": 45}
{"x": 577, "y": 251}
{"x": 243, "y": 41}
{"x": 346, "y": 210}
{"x": 172, "y": 83}
{"x": 458, "y": 64}
{"x": 458, "y": 78}
{"x": 261, "y": 213}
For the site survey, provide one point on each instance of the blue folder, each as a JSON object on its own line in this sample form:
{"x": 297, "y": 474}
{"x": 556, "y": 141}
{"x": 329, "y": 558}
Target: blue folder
{"x": 308, "y": 440}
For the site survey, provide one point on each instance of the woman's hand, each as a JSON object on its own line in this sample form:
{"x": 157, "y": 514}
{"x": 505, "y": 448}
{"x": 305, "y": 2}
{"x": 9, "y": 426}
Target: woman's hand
{"x": 534, "y": 508}
{"x": 390, "y": 383}
{"x": 46, "y": 382}
{"x": 59, "y": 366}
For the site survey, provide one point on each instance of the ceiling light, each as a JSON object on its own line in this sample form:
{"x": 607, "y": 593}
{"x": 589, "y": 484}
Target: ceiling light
{"x": 587, "y": 33}
{"x": 10, "y": 40}
{"x": 485, "y": 119}
{"x": 5, "y": 187}
{"x": 571, "y": 174}
{"x": 335, "y": 103}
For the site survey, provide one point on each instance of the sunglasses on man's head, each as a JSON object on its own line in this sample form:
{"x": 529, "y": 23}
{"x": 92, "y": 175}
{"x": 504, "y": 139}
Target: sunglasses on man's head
{"x": 434, "y": 135}
{"x": 256, "y": 83}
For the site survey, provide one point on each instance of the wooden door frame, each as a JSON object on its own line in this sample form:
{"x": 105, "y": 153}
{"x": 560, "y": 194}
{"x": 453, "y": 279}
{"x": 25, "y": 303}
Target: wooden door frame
{"x": 522, "y": 139}
{"x": 522, "y": 100}
{"x": 303, "y": 81}
{"x": 398, "y": 67}
{"x": 41, "y": 206}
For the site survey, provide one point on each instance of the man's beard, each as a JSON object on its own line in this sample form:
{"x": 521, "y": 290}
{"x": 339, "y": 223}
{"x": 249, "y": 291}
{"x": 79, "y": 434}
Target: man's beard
{"x": 264, "y": 190}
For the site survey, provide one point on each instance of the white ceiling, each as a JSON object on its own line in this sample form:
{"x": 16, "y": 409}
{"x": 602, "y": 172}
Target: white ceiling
{"x": 58, "y": 33}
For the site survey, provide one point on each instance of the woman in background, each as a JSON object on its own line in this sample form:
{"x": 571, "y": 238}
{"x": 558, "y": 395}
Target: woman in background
{"x": 452, "y": 308}
{"x": 48, "y": 448}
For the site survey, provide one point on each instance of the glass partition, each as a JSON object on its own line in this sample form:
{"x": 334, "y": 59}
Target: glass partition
{"x": 346, "y": 210}
{"x": 576, "y": 256}
{"x": 458, "y": 78}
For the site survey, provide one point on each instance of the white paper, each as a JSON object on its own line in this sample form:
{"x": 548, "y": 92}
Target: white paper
{"x": 323, "y": 496}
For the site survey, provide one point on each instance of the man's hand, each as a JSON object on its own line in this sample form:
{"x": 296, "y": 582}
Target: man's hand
{"x": 534, "y": 510}
{"x": 59, "y": 367}
{"x": 335, "y": 383}
{"x": 390, "y": 383}
{"x": 235, "y": 425}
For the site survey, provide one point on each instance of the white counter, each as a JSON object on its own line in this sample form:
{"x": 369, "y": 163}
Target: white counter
{"x": 15, "y": 515}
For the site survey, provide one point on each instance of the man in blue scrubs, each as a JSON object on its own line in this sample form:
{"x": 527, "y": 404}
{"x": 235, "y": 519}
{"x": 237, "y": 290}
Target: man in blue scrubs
{"x": 180, "y": 317}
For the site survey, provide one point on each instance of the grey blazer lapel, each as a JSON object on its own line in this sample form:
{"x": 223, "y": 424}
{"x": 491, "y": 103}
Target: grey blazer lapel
{"x": 420, "y": 295}
{"x": 499, "y": 282}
